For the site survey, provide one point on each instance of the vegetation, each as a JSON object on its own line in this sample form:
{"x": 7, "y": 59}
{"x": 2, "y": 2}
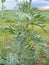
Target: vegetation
{"x": 20, "y": 41}
{"x": 2, "y": 6}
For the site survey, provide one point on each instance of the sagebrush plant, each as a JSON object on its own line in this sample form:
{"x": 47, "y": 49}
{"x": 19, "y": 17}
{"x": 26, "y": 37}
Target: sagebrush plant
{"x": 28, "y": 46}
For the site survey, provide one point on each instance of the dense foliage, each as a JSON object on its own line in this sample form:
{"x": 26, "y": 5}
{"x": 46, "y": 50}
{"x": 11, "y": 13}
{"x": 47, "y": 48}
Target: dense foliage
{"x": 26, "y": 45}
